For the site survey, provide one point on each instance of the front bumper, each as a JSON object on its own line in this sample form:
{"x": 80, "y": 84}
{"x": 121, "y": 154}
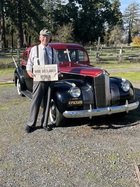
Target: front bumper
{"x": 101, "y": 111}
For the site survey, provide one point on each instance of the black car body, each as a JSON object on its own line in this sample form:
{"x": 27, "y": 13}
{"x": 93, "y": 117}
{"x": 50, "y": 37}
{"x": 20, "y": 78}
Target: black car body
{"x": 82, "y": 90}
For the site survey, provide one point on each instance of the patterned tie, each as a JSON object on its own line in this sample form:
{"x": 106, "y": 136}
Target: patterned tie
{"x": 46, "y": 58}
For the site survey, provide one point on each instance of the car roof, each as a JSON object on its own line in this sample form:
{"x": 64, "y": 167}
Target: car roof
{"x": 59, "y": 45}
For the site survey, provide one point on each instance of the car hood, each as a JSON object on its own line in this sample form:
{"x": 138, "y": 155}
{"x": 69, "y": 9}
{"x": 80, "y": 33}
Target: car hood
{"x": 85, "y": 71}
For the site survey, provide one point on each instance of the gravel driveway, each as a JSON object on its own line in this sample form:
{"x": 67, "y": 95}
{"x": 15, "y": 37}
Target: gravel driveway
{"x": 102, "y": 152}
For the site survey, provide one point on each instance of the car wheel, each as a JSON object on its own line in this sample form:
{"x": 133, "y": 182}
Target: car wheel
{"x": 55, "y": 115}
{"x": 19, "y": 88}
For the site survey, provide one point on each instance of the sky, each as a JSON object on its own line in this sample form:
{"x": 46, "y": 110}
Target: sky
{"x": 126, "y": 3}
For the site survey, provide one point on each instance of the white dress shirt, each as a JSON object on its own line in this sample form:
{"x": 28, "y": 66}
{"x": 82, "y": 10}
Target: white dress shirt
{"x": 33, "y": 60}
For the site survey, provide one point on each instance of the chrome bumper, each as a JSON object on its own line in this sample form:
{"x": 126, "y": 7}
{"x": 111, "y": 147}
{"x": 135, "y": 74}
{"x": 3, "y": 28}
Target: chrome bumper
{"x": 101, "y": 111}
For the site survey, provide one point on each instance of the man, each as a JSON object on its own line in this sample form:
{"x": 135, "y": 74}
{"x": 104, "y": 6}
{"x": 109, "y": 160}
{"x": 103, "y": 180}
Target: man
{"x": 40, "y": 55}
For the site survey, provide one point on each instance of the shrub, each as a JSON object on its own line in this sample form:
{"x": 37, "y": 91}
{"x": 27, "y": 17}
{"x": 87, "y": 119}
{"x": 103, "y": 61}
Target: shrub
{"x": 136, "y": 41}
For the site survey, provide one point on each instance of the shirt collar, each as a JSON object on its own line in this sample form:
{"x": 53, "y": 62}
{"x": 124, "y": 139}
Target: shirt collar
{"x": 42, "y": 46}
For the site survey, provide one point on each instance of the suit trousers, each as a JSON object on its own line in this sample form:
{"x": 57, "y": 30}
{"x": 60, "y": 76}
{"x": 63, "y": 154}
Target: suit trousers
{"x": 41, "y": 96}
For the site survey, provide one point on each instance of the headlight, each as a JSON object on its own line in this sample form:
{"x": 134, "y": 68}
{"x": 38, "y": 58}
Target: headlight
{"x": 75, "y": 92}
{"x": 125, "y": 86}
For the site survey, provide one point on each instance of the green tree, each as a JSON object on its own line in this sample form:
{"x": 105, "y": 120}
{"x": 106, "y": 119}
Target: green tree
{"x": 27, "y": 17}
{"x": 131, "y": 19}
{"x": 65, "y": 13}
{"x": 50, "y": 7}
{"x": 115, "y": 35}
{"x": 114, "y": 15}
{"x": 94, "y": 16}
{"x": 64, "y": 33}
{"x": 89, "y": 18}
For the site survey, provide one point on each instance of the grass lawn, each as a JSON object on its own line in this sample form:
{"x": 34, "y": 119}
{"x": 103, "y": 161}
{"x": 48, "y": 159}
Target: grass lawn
{"x": 6, "y": 71}
{"x": 132, "y": 76}
{"x": 116, "y": 65}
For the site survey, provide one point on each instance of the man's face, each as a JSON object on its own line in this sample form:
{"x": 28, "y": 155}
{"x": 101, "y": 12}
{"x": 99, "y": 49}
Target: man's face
{"x": 44, "y": 39}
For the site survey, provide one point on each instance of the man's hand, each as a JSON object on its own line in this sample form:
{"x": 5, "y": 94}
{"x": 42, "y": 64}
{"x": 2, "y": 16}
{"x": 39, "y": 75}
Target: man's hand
{"x": 59, "y": 74}
{"x": 30, "y": 74}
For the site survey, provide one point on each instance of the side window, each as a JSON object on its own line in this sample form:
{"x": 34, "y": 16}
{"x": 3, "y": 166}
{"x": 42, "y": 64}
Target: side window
{"x": 74, "y": 55}
{"x": 77, "y": 55}
{"x": 70, "y": 55}
{"x": 62, "y": 56}
{"x": 82, "y": 56}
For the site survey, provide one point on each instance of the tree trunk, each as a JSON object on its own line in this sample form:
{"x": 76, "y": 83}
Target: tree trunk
{"x": 2, "y": 26}
{"x": 129, "y": 36}
{"x": 19, "y": 25}
{"x": 12, "y": 38}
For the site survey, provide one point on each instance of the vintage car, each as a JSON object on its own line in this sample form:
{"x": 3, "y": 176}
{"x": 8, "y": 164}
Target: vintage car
{"x": 82, "y": 90}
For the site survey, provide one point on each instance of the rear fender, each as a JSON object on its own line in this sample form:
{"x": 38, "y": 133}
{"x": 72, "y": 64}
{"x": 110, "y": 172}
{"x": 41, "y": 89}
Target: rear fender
{"x": 19, "y": 75}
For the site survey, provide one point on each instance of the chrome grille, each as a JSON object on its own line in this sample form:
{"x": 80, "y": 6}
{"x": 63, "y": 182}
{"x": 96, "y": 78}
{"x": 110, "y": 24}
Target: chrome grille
{"x": 102, "y": 90}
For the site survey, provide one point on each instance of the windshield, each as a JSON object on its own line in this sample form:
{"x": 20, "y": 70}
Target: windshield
{"x": 71, "y": 55}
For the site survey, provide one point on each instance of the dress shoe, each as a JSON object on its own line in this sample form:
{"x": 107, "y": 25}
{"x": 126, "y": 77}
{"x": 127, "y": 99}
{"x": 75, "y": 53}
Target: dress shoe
{"x": 29, "y": 129}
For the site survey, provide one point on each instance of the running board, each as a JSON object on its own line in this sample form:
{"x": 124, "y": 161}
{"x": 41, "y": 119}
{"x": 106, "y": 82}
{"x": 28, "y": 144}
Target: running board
{"x": 27, "y": 94}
